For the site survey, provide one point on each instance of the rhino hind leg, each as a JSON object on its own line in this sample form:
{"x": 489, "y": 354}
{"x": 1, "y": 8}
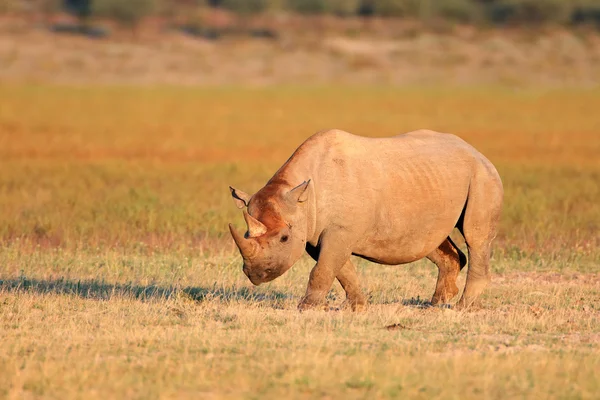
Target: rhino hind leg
{"x": 479, "y": 227}
{"x": 449, "y": 260}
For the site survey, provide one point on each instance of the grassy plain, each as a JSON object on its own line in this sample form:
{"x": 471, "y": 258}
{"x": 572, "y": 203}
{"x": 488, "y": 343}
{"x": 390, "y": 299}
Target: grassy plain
{"x": 117, "y": 277}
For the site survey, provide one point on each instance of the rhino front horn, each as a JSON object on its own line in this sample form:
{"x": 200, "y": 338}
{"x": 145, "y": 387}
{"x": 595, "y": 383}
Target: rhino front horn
{"x": 246, "y": 246}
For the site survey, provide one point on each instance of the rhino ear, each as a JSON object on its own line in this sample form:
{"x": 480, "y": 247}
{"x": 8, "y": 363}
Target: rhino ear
{"x": 240, "y": 198}
{"x": 299, "y": 194}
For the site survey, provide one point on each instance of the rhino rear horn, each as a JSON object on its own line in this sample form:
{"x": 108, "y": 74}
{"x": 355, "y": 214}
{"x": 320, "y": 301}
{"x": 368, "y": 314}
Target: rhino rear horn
{"x": 255, "y": 227}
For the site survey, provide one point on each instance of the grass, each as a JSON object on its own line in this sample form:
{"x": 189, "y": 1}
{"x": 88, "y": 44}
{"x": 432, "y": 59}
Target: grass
{"x": 194, "y": 327}
{"x": 118, "y": 279}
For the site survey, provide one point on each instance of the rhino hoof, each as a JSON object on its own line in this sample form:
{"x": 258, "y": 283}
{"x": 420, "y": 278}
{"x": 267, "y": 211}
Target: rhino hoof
{"x": 354, "y": 305}
{"x": 305, "y": 306}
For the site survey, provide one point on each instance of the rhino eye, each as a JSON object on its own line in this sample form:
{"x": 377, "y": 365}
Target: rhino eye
{"x": 284, "y": 238}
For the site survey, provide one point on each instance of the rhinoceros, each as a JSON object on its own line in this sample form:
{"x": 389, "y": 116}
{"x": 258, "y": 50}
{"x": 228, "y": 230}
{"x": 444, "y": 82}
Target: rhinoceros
{"x": 389, "y": 200}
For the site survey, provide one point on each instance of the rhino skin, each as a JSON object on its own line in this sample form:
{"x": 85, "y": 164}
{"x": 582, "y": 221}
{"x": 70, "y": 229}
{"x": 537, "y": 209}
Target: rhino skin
{"x": 388, "y": 200}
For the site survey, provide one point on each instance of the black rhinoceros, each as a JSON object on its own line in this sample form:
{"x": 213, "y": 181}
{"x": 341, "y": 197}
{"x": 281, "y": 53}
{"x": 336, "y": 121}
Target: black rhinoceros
{"x": 389, "y": 200}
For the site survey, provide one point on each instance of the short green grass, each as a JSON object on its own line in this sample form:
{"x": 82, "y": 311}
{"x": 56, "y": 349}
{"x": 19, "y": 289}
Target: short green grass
{"x": 118, "y": 278}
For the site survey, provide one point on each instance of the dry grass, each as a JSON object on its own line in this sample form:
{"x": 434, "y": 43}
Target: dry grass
{"x": 119, "y": 166}
{"x": 118, "y": 279}
{"x": 194, "y": 327}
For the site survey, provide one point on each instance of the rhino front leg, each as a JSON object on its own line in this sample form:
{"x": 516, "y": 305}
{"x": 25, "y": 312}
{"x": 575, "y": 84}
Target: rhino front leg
{"x": 348, "y": 278}
{"x": 322, "y": 276}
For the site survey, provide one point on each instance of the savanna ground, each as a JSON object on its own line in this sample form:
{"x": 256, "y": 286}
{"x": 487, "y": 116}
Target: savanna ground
{"x": 118, "y": 278}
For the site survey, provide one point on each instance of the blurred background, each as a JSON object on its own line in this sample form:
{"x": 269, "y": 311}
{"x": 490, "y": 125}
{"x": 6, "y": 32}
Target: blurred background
{"x": 122, "y": 123}
{"x": 212, "y": 42}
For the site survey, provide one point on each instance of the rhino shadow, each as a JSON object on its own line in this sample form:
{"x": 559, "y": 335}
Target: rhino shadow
{"x": 100, "y": 290}
{"x": 422, "y": 303}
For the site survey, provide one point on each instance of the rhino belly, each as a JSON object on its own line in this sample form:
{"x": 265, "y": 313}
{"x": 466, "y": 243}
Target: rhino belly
{"x": 401, "y": 250}
{"x": 407, "y": 237}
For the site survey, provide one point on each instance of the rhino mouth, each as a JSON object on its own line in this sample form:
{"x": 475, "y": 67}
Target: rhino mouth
{"x": 261, "y": 277}
{"x": 255, "y": 281}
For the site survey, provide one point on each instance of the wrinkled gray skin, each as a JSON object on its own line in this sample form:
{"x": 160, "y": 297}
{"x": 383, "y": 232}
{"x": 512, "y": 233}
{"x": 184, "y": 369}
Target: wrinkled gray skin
{"x": 389, "y": 200}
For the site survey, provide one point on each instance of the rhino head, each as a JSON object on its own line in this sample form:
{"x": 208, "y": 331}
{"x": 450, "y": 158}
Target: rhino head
{"x": 277, "y": 229}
